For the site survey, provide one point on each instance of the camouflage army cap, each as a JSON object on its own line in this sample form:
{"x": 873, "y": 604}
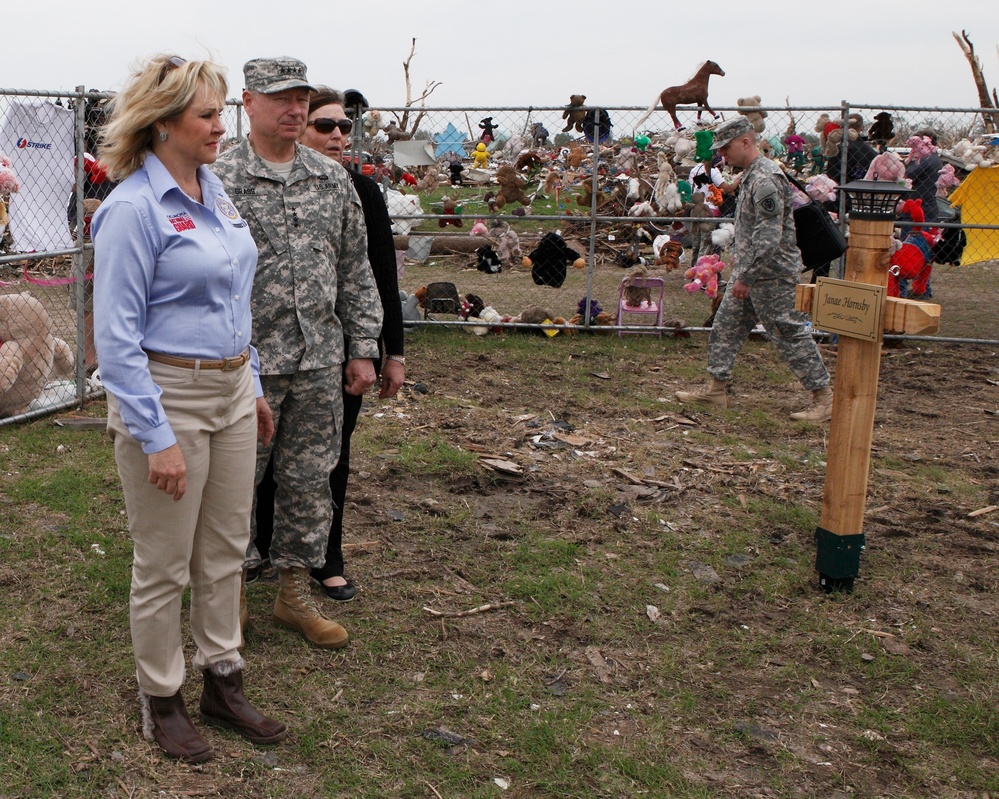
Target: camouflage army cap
{"x": 270, "y": 75}
{"x": 731, "y": 129}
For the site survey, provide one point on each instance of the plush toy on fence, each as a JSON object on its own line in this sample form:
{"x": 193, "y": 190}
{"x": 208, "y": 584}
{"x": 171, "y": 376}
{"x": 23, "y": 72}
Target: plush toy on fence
{"x": 882, "y": 131}
{"x": 487, "y": 128}
{"x": 511, "y": 187}
{"x": 702, "y": 146}
{"x": 29, "y": 353}
{"x": 548, "y": 261}
{"x": 452, "y": 211}
{"x": 914, "y": 259}
{"x": 704, "y": 275}
{"x": 886, "y": 167}
{"x": 8, "y": 185}
{"x": 507, "y": 242}
{"x": 971, "y": 155}
{"x": 574, "y": 113}
{"x": 749, "y": 107}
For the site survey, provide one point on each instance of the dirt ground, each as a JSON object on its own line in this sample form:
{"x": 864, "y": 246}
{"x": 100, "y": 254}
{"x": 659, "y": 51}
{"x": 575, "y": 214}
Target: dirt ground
{"x": 651, "y": 489}
{"x": 650, "y": 572}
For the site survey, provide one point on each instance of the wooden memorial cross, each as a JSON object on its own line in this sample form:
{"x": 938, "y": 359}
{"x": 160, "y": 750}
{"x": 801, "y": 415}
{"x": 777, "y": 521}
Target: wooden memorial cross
{"x": 858, "y": 309}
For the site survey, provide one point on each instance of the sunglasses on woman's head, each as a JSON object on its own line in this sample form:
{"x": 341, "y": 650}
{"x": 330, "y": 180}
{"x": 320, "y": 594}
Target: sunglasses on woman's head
{"x": 326, "y": 125}
{"x": 172, "y": 63}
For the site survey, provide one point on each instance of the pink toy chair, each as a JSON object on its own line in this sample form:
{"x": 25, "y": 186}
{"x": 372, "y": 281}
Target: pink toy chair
{"x": 654, "y": 307}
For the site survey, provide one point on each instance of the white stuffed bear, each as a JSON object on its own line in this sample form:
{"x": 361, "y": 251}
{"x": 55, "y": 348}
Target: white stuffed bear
{"x": 972, "y": 155}
{"x": 29, "y": 353}
{"x": 749, "y": 107}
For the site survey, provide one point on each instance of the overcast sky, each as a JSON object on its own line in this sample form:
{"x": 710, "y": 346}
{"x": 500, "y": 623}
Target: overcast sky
{"x": 528, "y": 52}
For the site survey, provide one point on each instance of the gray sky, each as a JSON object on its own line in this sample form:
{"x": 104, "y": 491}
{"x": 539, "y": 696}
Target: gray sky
{"x": 519, "y": 52}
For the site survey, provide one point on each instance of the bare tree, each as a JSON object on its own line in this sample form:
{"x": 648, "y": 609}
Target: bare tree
{"x": 985, "y": 101}
{"x": 422, "y": 99}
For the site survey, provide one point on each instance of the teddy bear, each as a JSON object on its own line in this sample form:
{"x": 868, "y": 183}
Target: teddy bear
{"x": 511, "y": 187}
{"x": 452, "y": 213}
{"x": 882, "y": 130}
{"x": 704, "y": 275}
{"x": 573, "y": 113}
{"x": 831, "y": 133}
{"x": 480, "y": 158}
{"x": 372, "y": 122}
{"x": 394, "y": 133}
{"x": 430, "y": 181}
{"x": 681, "y": 146}
{"x": 887, "y": 167}
{"x": 507, "y": 242}
{"x": 29, "y": 353}
{"x": 8, "y": 185}
{"x": 574, "y": 158}
{"x": 487, "y": 127}
{"x": 749, "y": 107}
{"x": 548, "y": 260}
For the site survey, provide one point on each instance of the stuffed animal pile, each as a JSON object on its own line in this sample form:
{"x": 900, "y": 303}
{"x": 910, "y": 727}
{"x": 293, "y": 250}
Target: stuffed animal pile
{"x": 29, "y": 353}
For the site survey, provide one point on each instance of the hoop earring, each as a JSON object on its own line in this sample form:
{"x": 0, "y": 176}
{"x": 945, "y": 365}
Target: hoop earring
{"x": 163, "y": 135}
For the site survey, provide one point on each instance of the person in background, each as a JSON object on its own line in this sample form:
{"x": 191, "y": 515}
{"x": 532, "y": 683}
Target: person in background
{"x": 326, "y": 131}
{"x": 766, "y": 264}
{"x": 174, "y": 266}
{"x": 314, "y": 291}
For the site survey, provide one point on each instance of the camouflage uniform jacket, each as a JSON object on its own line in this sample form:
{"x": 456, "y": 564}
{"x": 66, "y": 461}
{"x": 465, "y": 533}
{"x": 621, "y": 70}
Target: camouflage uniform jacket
{"x": 764, "y": 228}
{"x": 314, "y": 285}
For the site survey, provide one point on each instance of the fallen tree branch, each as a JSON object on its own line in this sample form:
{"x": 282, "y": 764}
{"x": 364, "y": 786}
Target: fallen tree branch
{"x": 451, "y": 614}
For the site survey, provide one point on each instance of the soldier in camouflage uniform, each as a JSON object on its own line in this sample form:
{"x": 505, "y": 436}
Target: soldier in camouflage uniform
{"x": 765, "y": 268}
{"x": 313, "y": 286}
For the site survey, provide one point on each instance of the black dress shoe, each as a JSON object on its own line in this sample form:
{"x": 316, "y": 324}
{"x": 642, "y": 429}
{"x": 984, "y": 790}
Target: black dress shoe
{"x": 341, "y": 593}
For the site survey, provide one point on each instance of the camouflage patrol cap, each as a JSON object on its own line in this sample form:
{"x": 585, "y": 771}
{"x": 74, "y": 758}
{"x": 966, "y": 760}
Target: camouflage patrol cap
{"x": 271, "y": 75}
{"x": 731, "y": 129}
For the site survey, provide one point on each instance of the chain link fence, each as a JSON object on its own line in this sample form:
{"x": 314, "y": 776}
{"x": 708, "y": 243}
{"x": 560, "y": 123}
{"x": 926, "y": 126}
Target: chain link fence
{"x": 476, "y": 193}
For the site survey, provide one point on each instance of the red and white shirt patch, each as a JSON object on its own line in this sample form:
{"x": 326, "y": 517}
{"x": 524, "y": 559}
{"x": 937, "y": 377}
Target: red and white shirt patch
{"x": 181, "y": 221}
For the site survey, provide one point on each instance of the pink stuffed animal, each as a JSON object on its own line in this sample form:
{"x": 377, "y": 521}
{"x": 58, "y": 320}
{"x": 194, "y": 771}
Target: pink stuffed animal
{"x": 704, "y": 275}
{"x": 886, "y": 167}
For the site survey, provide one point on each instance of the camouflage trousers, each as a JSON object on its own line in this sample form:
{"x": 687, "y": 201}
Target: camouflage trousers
{"x": 308, "y": 414}
{"x": 770, "y": 302}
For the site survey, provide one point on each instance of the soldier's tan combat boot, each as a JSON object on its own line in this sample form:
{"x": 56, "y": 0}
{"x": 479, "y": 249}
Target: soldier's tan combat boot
{"x": 713, "y": 394}
{"x": 297, "y": 609}
{"x": 820, "y": 410}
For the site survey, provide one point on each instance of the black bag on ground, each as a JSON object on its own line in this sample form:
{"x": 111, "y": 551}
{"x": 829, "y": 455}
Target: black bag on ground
{"x": 818, "y": 237}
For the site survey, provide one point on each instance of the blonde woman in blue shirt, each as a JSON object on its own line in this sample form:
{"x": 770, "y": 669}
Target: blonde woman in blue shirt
{"x": 174, "y": 266}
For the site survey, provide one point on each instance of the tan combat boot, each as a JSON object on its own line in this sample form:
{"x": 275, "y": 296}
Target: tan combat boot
{"x": 296, "y": 608}
{"x": 820, "y": 410}
{"x": 714, "y": 394}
